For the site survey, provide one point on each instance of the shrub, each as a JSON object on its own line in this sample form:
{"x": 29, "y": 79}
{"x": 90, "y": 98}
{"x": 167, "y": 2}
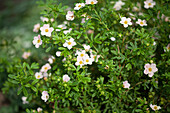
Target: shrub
{"x": 107, "y": 56}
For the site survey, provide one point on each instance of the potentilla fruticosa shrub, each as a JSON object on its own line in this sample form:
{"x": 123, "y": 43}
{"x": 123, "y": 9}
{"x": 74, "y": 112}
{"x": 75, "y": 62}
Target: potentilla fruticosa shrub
{"x": 106, "y": 56}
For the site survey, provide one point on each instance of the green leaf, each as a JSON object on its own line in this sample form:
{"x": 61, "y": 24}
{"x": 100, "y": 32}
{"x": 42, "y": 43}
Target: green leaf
{"x": 35, "y": 81}
{"x": 34, "y": 65}
{"x": 34, "y": 88}
{"x": 25, "y": 92}
{"x": 48, "y": 49}
{"x": 19, "y": 91}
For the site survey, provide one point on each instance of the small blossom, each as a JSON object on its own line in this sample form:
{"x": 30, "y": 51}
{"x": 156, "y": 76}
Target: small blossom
{"x": 79, "y": 62}
{"x": 66, "y": 78}
{"x": 26, "y": 55}
{"x": 81, "y": 54}
{"x": 83, "y": 20}
{"x": 36, "y": 28}
{"x": 58, "y": 53}
{"x": 79, "y": 5}
{"x": 167, "y": 48}
{"x": 125, "y": 21}
{"x": 37, "y": 41}
{"x": 45, "y": 96}
{"x": 86, "y": 47}
{"x": 38, "y": 75}
{"x": 94, "y": 57}
{"x": 61, "y": 27}
{"x": 45, "y": 67}
{"x": 69, "y": 43}
{"x": 126, "y": 84}
{"x": 67, "y": 31}
{"x": 46, "y": 30}
{"x": 39, "y": 109}
{"x": 112, "y": 39}
{"x": 155, "y": 107}
{"x": 51, "y": 59}
{"x": 88, "y": 60}
{"x": 52, "y": 19}
{"x": 64, "y": 59}
{"x": 90, "y": 31}
{"x": 141, "y": 22}
{"x": 24, "y": 100}
{"x": 150, "y": 69}
{"x": 70, "y": 15}
{"x": 91, "y": 2}
{"x": 118, "y": 5}
{"x": 154, "y": 43}
{"x": 44, "y": 19}
{"x": 149, "y": 4}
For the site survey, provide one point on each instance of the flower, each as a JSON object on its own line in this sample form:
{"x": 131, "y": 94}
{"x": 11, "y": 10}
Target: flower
{"x": 36, "y": 28}
{"x": 155, "y": 107}
{"x": 37, "y": 41}
{"x": 38, "y": 75}
{"x": 118, "y": 5}
{"x": 44, "y": 19}
{"x": 61, "y": 27}
{"x": 94, "y": 57}
{"x": 52, "y": 19}
{"x": 150, "y": 69}
{"x": 46, "y": 30}
{"x": 125, "y": 21}
{"x": 67, "y": 31}
{"x": 51, "y": 59}
{"x": 79, "y": 5}
{"x": 90, "y": 31}
{"x": 24, "y": 100}
{"x": 79, "y": 62}
{"x": 88, "y": 60}
{"x": 83, "y": 20}
{"x": 112, "y": 39}
{"x": 70, "y": 15}
{"x": 45, "y": 96}
{"x": 66, "y": 78}
{"x": 149, "y": 4}
{"x": 91, "y": 2}
{"x": 45, "y": 67}
{"x": 81, "y": 54}
{"x": 126, "y": 84}
{"x": 167, "y": 48}
{"x": 26, "y": 55}
{"x": 86, "y": 47}
{"x": 69, "y": 43}
{"x": 58, "y": 53}
{"x": 141, "y": 22}
{"x": 39, "y": 109}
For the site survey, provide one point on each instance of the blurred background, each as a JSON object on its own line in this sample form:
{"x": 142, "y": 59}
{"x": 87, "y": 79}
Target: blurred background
{"x": 17, "y": 19}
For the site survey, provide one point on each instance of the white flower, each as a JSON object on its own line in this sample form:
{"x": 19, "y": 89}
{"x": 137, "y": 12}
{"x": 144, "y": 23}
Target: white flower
{"x": 149, "y": 4}
{"x": 36, "y": 28}
{"x": 46, "y": 30}
{"x": 78, "y": 6}
{"x": 150, "y": 69}
{"x": 26, "y": 55}
{"x": 24, "y": 100}
{"x": 112, "y": 39}
{"x": 79, "y": 62}
{"x": 51, "y": 59}
{"x": 39, "y": 109}
{"x": 94, "y": 57}
{"x": 126, "y": 84}
{"x": 69, "y": 43}
{"x": 37, "y": 41}
{"x": 125, "y": 21}
{"x": 88, "y": 60}
{"x": 52, "y": 19}
{"x": 141, "y": 22}
{"x": 154, "y": 43}
{"x": 58, "y": 53}
{"x": 67, "y": 31}
{"x": 66, "y": 78}
{"x": 44, "y": 19}
{"x": 118, "y": 5}
{"x": 45, "y": 96}
{"x": 45, "y": 67}
{"x": 155, "y": 107}
{"x": 91, "y": 2}
{"x": 167, "y": 48}
{"x": 81, "y": 54}
{"x": 70, "y": 15}
{"x": 83, "y": 20}
{"x": 38, "y": 75}
{"x": 86, "y": 47}
{"x": 61, "y": 27}
{"x": 64, "y": 59}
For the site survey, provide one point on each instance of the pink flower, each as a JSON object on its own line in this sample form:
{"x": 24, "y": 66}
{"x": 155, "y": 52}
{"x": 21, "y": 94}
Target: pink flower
{"x": 66, "y": 78}
{"x": 36, "y": 28}
{"x": 70, "y": 15}
{"x": 141, "y": 22}
{"x": 155, "y": 107}
{"x": 37, "y": 41}
{"x": 46, "y": 30}
{"x": 26, "y": 55}
{"x": 126, "y": 84}
{"x": 91, "y": 2}
{"x": 150, "y": 69}
{"x": 45, "y": 67}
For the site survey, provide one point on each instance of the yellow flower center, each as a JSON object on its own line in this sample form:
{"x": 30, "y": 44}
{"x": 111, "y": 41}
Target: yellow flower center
{"x": 94, "y": 57}
{"x": 46, "y": 30}
{"x": 38, "y": 76}
{"x": 125, "y": 22}
{"x": 168, "y": 48}
{"x": 87, "y": 60}
{"x": 150, "y": 69}
{"x": 69, "y": 43}
{"x": 155, "y": 107}
{"x": 82, "y": 55}
{"x": 149, "y": 4}
{"x": 92, "y": 2}
{"x": 45, "y": 68}
{"x": 38, "y": 41}
{"x": 123, "y": 86}
{"x": 81, "y": 62}
{"x": 141, "y": 23}
{"x": 79, "y": 5}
